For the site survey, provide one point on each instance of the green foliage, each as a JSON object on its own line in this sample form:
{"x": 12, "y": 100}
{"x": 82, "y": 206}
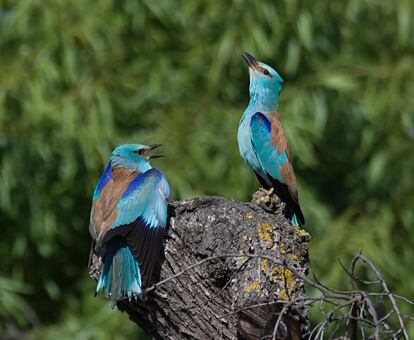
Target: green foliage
{"x": 85, "y": 318}
{"x": 78, "y": 78}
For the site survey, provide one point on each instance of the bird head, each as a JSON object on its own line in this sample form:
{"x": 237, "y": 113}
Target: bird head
{"x": 134, "y": 156}
{"x": 265, "y": 84}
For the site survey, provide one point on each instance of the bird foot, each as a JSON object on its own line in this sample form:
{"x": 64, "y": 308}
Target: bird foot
{"x": 266, "y": 199}
{"x": 268, "y": 192}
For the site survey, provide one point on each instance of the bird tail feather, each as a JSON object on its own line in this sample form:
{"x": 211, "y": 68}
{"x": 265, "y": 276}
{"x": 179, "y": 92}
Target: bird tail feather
{"x": 120, "y": 277}
{"x": 291, "y": 216}
{"x": 294, "y": 220}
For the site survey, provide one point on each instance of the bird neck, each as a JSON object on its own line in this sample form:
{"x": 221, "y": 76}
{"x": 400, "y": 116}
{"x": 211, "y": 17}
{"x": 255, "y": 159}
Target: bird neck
{"x": 130, "y": 165}
{"x": 264, "y": 100}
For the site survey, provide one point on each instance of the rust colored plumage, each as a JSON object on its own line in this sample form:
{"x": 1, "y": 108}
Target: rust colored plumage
{"x": 278, "y": 139}
{"x": 286, "y": 171}
{"x": 104, "y": 208}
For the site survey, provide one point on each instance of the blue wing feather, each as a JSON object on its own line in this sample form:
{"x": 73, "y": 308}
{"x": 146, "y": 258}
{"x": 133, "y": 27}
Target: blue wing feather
{"x": 105, "y": 178}
{"x": 270, "y": 163}
{"x": 268, "y": 155}
{"x": 142, "y": 217}
{"x": 146, "y": 196}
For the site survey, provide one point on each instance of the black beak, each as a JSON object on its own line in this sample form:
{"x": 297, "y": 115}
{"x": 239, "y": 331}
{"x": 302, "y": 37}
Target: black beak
{"x": 150, "y": 148}
{"x": 250, "y": 60}
{"x": 155, "y": 156}
{"x": 153, "y": 146}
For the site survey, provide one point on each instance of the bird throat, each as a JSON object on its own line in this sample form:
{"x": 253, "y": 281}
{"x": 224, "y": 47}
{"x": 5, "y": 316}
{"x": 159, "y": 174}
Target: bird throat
{"x": 139, "y": 167}
{"x": 264, "y": 101}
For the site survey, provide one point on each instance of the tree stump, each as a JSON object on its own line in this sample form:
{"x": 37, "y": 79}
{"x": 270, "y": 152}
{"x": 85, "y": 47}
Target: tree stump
{"x": 239, "y": 280}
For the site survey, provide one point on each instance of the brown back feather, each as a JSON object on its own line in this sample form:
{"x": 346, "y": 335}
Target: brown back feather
{"x": 278, "y": 139}
{"x": 104, "y": 209}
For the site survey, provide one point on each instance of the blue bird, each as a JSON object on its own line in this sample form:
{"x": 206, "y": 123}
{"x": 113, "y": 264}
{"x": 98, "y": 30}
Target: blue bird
{"x": 128, "y": 220}
{"x": 262, "y": 142}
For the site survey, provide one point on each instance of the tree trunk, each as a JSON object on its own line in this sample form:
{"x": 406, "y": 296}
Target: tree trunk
{"x": 230, "y": 292}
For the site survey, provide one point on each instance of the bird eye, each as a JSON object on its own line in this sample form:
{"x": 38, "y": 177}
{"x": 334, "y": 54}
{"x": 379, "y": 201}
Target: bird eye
{"x": 140, "y": 151}
{"x": 266, "y": 72}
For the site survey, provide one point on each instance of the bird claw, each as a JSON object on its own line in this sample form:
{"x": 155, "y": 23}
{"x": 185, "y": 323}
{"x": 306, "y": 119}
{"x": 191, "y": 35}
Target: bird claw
{"x": 266, "y": 198}
{"x": 268, "y": 193}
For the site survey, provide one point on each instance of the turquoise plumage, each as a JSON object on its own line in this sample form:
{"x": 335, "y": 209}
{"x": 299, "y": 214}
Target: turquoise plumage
{"x": 128, "y": 220}
{"x": 262, "y": 142}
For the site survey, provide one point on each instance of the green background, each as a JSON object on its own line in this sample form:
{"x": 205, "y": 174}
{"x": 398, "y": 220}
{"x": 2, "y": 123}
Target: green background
{"x": 78, "y": 78}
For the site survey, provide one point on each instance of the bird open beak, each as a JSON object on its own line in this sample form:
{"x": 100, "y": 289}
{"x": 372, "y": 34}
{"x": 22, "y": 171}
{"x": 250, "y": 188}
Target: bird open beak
{"x": 149, "y": 149}
{"x": 250, "y": 60}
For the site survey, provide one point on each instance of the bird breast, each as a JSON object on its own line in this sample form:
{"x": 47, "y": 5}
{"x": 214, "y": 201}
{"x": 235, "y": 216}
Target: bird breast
{"x": 245, "y": 143}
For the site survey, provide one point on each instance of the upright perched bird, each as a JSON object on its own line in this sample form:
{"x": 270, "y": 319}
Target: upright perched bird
{"x": 262, "y": 142}
{"x": 128, "y": 219}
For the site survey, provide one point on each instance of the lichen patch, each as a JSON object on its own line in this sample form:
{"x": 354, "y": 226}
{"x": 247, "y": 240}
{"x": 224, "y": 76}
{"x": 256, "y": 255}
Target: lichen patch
{"x": 254, "y": 286}
{"x": 265, "y": 233}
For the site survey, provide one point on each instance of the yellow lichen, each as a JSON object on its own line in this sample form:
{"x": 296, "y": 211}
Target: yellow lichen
{"x": 301, "y": 233}
{"x": 254, "y": 286}
{"x": 282, "y": 249}
{"x": 282, "y": 296}
{"x": 264, "y": 232}
{"x": 285, "y": 278}
{"x": 264, "y": 264}
{"x": 284, "y": 274}
{"x": 295, "y": 257}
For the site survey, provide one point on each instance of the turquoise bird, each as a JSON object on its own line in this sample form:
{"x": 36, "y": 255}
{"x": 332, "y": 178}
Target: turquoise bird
{"x": 128, "y": 220}
{"x": 262, "y": 143}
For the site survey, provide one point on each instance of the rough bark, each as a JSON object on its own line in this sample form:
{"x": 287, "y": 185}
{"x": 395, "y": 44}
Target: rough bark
{"x": 212, "y": 299}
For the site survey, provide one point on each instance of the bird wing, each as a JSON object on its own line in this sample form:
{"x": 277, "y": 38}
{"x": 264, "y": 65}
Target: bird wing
{"x": 141, "y": 217}
{"x": 98, "y": 212}
{"x": 108, "y": 192}
{"x": 271, "y": 149}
